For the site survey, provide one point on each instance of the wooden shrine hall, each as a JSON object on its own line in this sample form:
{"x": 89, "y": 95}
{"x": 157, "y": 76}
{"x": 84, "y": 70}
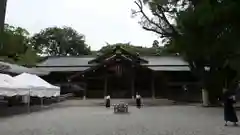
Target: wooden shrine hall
{"x": 122, "y": 74}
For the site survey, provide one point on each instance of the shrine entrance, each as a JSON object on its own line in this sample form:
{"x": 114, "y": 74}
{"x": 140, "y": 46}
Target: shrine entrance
{"x": 113, "y": 74}
{"x": 119, "y": 83}
{"x": 119, "y": 87}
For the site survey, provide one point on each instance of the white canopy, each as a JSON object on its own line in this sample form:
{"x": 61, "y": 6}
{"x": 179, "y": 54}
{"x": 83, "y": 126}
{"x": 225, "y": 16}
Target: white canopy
{"x": 6, "y": 90}
{"x": 38, "y": 86}
{"x": 9, "y": 88}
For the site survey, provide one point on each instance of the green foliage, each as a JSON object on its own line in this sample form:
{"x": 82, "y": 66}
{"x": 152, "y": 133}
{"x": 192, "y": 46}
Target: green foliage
{"x": 205, "y": 32}
{"x": 143, "y": 51}
{"x": 30, "y": 57}
{"x": 14, "y": 41}
{"x": 56, "y": 41}
{"x": 209, "y": 34}
{"x": 15, "y": 46}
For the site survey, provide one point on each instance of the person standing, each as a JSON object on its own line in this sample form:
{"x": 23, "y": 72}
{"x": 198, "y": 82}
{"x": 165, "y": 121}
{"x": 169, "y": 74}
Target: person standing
{"x": 138, "y": 101}
{"x": 107, "y": 104}
{"x": 229, "y": 111}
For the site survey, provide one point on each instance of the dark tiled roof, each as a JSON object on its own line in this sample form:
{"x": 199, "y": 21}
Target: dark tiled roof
{"x": 60, "y": 69}
{"x": 65, "y": 61}
{"x": 165, "y": 60}
{"x": 83, "y": 61}
{"x": 170, "y": 68}
{"x": 17, "y": 69}
{"x": 158, "y": 63}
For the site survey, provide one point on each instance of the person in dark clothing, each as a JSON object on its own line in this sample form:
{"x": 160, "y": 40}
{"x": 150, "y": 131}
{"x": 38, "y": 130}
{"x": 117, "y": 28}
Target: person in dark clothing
{"x": 229, "y": 111}
{"x": 107, "y": 104}
{"x": 138, "y": 101}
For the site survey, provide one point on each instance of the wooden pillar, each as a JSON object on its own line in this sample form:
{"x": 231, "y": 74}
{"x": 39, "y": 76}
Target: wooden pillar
{"x": 85, "y": 87}
{"x": 133, "y": 86}
{"x": 105, "y": 86}
{"x": 153, "y": 85}
{"x": 85, "y": 92}
{"x": 3, "y": 6}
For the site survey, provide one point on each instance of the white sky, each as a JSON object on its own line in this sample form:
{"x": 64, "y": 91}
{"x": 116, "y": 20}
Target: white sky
{"x": 99, "y": 20}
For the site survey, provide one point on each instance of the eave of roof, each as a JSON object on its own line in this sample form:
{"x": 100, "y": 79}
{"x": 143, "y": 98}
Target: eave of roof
{"x": 17, "y": 69}
{"x": 170, "y": 68}
{"x": 61, "y": 69}
{"x": 67, "y": 64}
{"x": 83, "y": 61}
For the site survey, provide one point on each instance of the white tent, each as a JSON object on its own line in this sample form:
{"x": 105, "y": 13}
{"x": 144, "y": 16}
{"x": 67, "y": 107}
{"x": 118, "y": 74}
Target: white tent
{"x": 6, "y": 90}
{"x": 39, "y": 87}
{"x": 8, "y": 87}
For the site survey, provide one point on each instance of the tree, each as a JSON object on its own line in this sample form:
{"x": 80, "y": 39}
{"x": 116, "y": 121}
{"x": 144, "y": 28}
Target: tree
{"x": 15, "y": 41}
{"x": 56, "y": 41}
{"x": 143, "y": 51}
{"x": 155, "y": 44}
{"x": 204, "y": 32}
{"x": 15, "y": 46}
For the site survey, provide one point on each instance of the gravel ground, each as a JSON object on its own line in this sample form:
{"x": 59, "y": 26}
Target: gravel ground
{"x": 165, "y": 120}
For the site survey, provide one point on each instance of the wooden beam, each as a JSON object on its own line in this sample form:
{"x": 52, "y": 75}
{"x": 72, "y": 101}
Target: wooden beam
{"x": 85, "y": 91}
{"x": 105, "y": 86}
{"x": 133, "y": 85}
{"x": 153, "y": 85}
{"x": 3, "y": 6}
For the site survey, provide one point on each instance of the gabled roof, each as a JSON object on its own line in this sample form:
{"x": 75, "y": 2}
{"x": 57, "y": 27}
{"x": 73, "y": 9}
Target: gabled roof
{"x": 69, "y": 61}
{"x": 117, "y": 51}
{"x": 73, "y": 64}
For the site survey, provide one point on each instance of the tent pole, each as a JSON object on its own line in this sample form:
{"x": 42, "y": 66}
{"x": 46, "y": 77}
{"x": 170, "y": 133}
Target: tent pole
{"x": 29, "y": 101}
{"x": 41, "y": 101}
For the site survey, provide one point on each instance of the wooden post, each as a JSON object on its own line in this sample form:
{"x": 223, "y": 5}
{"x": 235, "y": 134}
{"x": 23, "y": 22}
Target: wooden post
{"x": 29, "y": 100}
{"x": 105, "y": 86}
{"x": 85, "y": 91}
{"x": 205, "y": 97}
{"x": 3, "y": 6}
{"x": 153, "y": 86}
{"x": 41, "y": 101}
{"x": 133, "y": 87}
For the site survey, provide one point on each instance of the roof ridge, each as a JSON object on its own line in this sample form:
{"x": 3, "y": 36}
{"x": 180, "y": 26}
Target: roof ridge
{"x": 85, "y": 56}
{"x": 163, "y": 56}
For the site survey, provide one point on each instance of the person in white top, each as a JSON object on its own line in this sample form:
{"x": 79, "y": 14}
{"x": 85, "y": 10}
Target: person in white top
{"x": 107, "y": 104}
{"x": 108, "y": 97}
{"x": 138, "y": 100}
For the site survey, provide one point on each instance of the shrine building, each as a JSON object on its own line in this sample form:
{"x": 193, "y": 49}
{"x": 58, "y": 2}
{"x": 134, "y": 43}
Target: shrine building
{"x": 122, "y": 74}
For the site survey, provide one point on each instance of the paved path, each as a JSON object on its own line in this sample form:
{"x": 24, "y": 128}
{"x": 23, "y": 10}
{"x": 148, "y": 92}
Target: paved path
{"x": 165, "y": 120}
{"x": 101, "y": 102}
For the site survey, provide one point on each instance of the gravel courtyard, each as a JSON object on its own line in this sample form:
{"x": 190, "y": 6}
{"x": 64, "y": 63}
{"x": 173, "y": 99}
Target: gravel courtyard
{"x": 165, "y": 120}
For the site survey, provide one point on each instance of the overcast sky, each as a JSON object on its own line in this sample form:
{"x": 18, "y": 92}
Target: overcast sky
{"x": 100, "y": 21}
